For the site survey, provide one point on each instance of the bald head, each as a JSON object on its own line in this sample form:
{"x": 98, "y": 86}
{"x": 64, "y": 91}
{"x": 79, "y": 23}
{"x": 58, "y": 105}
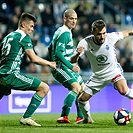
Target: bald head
{"x": 70, "y": 18}
{"x": 68, "y": 12}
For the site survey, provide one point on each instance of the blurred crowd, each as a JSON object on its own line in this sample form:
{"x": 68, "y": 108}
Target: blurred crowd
{"x": 49, "y": 17}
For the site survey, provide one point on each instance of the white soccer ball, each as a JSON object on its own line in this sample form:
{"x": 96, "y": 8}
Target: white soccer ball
{"x": 122, "y": 116}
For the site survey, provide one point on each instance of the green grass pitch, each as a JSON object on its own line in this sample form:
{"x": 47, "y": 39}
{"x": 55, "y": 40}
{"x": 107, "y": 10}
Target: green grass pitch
{"x": 103, "y": 123}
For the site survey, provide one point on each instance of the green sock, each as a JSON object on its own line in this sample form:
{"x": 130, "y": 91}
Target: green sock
{"x": 68, "y": 103}
{"x": 79, "y": 112}
{"x": 34, "y": 104}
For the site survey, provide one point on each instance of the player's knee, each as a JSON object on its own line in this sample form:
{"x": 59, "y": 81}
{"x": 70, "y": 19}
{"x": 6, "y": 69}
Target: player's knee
{"x": 43, "y": 88}
{"x": 123, "y": 91}
{"x": 76, "y": 87}
{"x": 83, "y": 98}
{"x": 46, "y": 89}
{"x": 122, "y": 87}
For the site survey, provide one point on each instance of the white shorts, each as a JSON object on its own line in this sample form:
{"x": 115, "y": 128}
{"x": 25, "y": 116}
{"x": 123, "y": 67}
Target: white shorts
{"x": 96, "y": 83}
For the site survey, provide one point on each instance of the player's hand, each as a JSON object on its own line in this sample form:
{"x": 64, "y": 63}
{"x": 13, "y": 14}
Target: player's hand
{"x": 76, "y": 68}
{"x": 52, "y": 65}
{"x": 80, "y": 49}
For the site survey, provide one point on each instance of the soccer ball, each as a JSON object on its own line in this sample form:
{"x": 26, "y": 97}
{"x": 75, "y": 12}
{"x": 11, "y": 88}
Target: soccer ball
{"x": 122, "y": 116}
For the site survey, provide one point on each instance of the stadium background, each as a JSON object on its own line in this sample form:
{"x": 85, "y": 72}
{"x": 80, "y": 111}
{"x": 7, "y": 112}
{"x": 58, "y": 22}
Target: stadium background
{"x": 118, "y": 16}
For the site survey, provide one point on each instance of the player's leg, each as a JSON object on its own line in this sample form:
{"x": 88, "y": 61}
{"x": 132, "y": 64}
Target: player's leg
{"x": 79, "y": 112}
{"x": 92, "y": 86}
{"x": 122, "y": 87}
{"x": 120, "y": 83}
{"x": 4, "y": 89}
{"x": 41, "y": 92}
{"x": 68, "y": 101}
{"x": 23, "y": 82}
{"x": 71, "y": 83}
{"x": 36, "y": 100}
{"x": 81, "y": 82}
{"x": 85, "y": 107}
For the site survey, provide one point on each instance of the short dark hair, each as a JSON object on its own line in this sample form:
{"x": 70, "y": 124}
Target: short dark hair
{"x": 98, "y": 24}
{"x": 26, "y": 17}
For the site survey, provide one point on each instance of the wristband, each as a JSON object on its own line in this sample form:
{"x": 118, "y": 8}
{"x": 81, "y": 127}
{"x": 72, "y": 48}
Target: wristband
{"x": 131, "y": 34}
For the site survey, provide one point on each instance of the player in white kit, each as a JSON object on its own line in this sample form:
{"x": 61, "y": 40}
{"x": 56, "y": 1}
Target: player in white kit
{"x": 100, "y": 49}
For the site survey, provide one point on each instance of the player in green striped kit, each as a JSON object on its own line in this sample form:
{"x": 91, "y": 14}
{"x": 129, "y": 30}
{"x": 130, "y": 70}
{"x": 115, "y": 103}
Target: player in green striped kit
{"x": 12, "y": 50}
{"x": 61, "y": 50}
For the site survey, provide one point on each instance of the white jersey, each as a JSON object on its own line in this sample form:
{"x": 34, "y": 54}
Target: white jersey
{"x": 102, "y": 57}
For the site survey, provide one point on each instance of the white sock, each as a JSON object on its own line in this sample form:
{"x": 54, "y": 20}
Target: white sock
{"x": 85, "y": 107}
{"x": 129, "y": 93}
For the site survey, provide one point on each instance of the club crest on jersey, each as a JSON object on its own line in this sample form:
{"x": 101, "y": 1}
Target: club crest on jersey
{"x": 29, "y": 44}
{"x": 101, "y": 58}
{"x": 107, "y": 47}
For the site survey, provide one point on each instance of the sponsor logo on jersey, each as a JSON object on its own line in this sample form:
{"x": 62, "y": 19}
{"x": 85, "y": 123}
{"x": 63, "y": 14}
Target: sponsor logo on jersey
{"x": 101, "y": 58}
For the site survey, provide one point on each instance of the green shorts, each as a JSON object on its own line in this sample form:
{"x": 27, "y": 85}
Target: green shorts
{"x": 66, "y": 77}
{"x": 18, "y": 81}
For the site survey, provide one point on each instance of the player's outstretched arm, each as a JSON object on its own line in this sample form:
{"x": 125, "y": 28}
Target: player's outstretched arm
{"x": 38, "y": 60}
{"x": 127, "y": 33}
{"x": 63, "y": 59}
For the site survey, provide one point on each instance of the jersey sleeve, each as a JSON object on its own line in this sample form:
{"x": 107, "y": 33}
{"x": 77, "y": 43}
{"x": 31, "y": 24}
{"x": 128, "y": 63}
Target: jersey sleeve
{"x": 63, "y": 60}
{"x": 115, "y": 36}
{"x": 61, "y": 48}
{"x": 26, "y": 43}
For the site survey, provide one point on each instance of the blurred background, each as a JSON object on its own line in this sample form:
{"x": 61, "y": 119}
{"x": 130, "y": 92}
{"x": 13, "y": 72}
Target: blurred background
{"x": 116, "y": 13}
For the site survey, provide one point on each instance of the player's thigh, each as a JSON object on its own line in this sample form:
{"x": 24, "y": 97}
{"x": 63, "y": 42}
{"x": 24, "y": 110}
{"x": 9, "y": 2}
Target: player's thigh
{"x": 121, "y": 86}
{"x": 75, "y": 86}
{"x": 4, "y": 90}
{"x": 20, "y": 81}
{"x": 65, "y": 77}
{"x": 84, "y": 96}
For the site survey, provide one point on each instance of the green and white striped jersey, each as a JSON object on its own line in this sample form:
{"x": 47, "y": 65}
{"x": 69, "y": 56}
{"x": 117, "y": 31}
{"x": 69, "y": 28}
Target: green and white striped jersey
{"x": 12, "y": 51}
{"x": 62, "y": 41}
